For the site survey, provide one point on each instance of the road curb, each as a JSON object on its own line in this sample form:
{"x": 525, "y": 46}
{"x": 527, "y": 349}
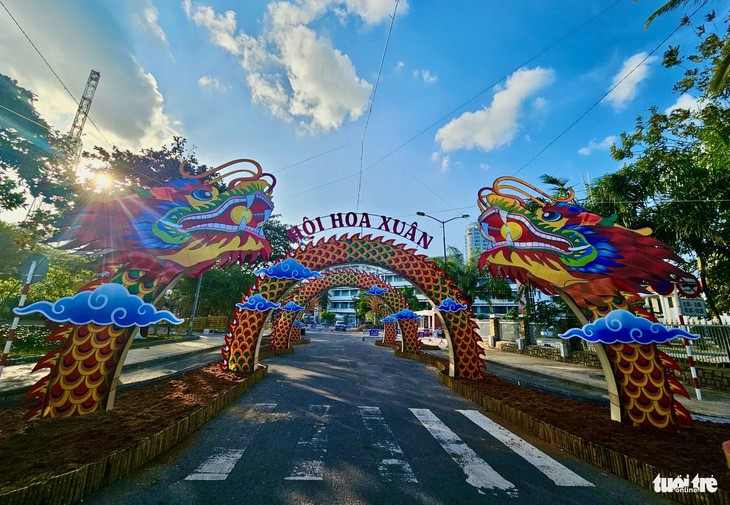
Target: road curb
{"x": 72, "y": 486}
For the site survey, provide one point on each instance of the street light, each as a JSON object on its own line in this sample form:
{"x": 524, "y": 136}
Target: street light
{"x": 443, "y": 226}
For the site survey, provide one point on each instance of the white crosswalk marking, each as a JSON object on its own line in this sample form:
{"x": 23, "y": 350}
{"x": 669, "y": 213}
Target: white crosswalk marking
{"x": 312, "y": 446}
{"x": 478, "y": 472}
{"x": 391, "y": 465}
{"x": 555, "y": 471}
{"x": 220, "y": 464}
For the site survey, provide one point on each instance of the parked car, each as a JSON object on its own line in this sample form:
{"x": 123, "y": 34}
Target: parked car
{"x": 340, "y": 326}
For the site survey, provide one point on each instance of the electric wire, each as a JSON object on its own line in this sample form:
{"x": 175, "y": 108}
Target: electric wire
{"x": 474, "y": 97}
{"x": 372, "y": 102}
{"x": 491, "y": 86}
{"x": 595, "y": 104}
{"x": 53, "y": 71}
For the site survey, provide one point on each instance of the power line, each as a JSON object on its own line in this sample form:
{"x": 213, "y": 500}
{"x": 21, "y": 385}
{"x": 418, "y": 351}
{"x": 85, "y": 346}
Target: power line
{"x": 526, "y": 62}
{"x": 308, "y": 159}
{"x": 580, "y": 118}
{"x": 372, "y": 102}
{"x": 67, "y": 91}
{"x": 419, "y": 181}
{"x": 480, "y": 93}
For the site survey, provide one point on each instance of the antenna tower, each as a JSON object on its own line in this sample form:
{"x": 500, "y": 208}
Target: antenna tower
{"x": 82, "y": 113}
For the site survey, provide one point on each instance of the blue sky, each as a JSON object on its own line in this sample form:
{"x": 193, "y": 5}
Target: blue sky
{"x": 469, "y": 90}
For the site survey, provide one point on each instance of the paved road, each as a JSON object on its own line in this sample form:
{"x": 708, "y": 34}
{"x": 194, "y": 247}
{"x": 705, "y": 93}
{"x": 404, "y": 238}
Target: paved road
{"x": 345, "y": 422}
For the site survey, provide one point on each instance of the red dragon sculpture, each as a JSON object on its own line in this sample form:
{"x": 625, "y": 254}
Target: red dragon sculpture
{"x": 147, "y": 241}
{"x": 596, "y": 266}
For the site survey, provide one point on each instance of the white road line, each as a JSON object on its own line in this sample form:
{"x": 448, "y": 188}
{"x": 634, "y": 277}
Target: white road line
{"x": 478, "y": 472}
{"x": 220, "y": 464}
{"x": 555, "y": 471}
{"x": 312, "y": 446}
{"x": 391, "y": 465}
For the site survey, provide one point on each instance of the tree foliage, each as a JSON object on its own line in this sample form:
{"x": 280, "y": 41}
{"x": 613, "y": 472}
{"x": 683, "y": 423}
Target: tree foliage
{"x": 675, "y": 174}
{"x": 473, "y": 283}
{"x": 150, "y": 167}
{"x": 34, "y": 157}
{"x": 719, "y": 71}
{"x": 409, "y": 293}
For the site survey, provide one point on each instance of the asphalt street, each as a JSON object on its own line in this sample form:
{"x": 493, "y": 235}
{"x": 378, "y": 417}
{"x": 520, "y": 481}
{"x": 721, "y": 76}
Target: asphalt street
{"x": 345, "y": 422}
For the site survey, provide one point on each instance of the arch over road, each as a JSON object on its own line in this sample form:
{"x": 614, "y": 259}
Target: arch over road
{"x": 305, "y": 292}
{"x": 247, "y": 325}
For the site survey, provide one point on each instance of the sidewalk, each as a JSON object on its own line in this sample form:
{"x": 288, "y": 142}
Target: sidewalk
{"x": 16, "y": 379}
{"x": 591, "y": 380}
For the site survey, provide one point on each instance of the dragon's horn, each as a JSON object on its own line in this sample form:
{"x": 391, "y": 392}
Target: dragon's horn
{"x": 255, "y": 174}
{"x": 499, "y": 187}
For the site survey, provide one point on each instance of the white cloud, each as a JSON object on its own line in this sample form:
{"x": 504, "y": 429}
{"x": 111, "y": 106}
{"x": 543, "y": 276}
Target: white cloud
{"x": 293, "y": 71}
{"x": 685, "y": 101}
{"x": 603, "y": 145}
{"x": 127, "y": 107}
{"x": 443, "y": 161}
{"x": 399, "y": 66}
{"x": 484, "y": 166}
{"x": 634, "y": 70}
{"x": 210, "y": 82}
{"x": 496, "y": 125}
{"x": 425, "y": 75}
{"x": 148, "y": 21}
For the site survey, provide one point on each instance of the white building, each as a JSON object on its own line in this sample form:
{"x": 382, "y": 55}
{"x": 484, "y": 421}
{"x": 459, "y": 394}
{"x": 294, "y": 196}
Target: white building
{"x": 474, "y": 240}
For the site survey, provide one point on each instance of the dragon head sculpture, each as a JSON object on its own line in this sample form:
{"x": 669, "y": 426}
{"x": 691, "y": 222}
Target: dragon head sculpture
{"x": 553, "y": 243}
{"x": 186, "y": 224}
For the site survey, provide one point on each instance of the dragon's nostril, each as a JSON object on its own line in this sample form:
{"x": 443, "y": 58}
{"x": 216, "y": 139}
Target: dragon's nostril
{"x": 240, "y": 214}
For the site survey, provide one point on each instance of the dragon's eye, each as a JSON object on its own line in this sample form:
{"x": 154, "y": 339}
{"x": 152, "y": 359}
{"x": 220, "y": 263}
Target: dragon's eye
{"x": 202, "y": 194}
{"x": 551, "y": 215}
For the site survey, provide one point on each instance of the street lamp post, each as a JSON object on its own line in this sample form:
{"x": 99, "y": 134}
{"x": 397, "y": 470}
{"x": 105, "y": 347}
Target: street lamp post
{"x": 443, "y": 226}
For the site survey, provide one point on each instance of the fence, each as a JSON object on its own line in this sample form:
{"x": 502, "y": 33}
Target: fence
{"x": 218, "y": 323}
{"x": 713, "y": 346}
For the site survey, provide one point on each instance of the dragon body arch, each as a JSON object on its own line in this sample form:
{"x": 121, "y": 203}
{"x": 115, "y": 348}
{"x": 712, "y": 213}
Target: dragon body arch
{"x": 147, "y": 241}
{"x": 596, "y": 266}
{"x": 245, "y": 328}
{"x": 331, "y": 279}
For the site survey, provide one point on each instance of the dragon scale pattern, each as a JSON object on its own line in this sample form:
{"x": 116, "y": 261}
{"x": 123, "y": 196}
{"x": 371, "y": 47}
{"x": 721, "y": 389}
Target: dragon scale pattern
{"x": 345, "y": 250}
{"x": 645, "y": 388}
{"x": 83, "y": 367}
{"x": 331, "y": 279}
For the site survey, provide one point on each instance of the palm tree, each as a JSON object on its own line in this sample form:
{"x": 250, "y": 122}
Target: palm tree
{"x": 472, "y": 283}
{"x": 721, "y": 75}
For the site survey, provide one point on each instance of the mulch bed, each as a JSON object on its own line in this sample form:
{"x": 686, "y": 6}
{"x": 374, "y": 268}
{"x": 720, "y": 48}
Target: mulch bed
{"x": 694, "y": 451}
{"x": 36, "y": 450}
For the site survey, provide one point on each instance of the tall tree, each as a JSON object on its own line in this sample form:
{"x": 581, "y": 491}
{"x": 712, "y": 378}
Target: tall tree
{"x": 720, "y": 79}
{"x": 675, "y": 175}
{"x": 150, "y": 167}
{"x": 33, "y": 157}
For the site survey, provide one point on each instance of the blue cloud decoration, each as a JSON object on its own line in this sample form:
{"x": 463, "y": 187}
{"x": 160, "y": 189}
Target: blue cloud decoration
{"x": 621, "y": 326}
{"x": 405, "y": 314}
{"x": 107, "y": 304}
{"x": 288, "y": 269}
{"x": 450, "y": 305}
{"x": 258, "y": 303}
{"x": 389, "y": 319}
{"x": 376, "y": 291}
{"x": 291, "y": 307}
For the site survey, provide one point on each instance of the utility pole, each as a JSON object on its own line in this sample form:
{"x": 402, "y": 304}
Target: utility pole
{"x": 82, "y": 113}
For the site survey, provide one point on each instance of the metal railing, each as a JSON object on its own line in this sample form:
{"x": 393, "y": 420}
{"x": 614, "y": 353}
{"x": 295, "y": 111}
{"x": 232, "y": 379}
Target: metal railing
{"x": 713, "y": 346}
